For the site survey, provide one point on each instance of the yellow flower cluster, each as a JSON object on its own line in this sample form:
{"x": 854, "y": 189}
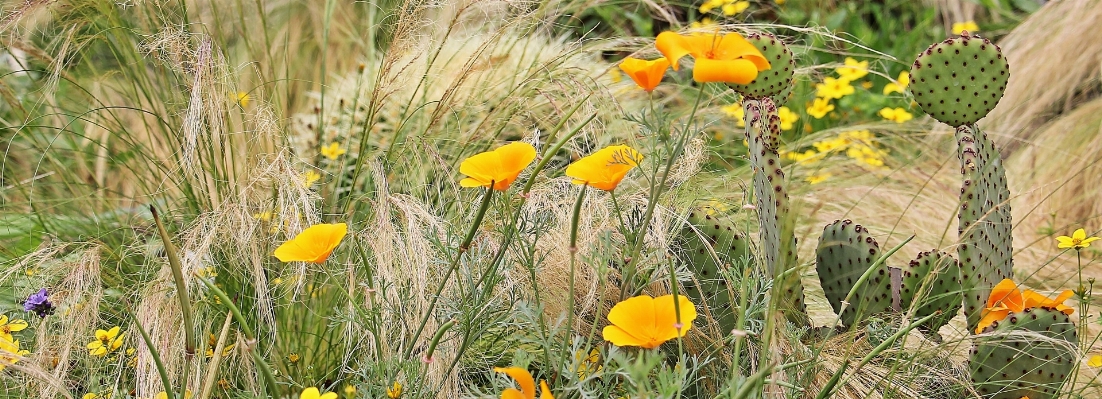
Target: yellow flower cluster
{"x": 788, "y": 118}
{"x": 859, "y": 145}
{"x": 728, "y": 7}
{"x": 9, "y": 346}
{"x": 836, "y": 88}
{"x": 106, "y": 341}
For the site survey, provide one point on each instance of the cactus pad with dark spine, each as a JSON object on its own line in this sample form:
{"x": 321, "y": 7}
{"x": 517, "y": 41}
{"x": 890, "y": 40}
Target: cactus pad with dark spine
{"x": 775, "y": 83}
{"x": 983, "y": 222}
{"x": 933, "y": 293}
{"x": 712, "y": 245}
{"x": 777, "y": 223}
{"x": 959, "y": 80}
{"x": 845, "y": 252}
{"x": 1011, "y": 363}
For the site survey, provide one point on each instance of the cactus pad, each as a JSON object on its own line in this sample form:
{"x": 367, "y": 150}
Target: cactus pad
{"x": 959, "y": 80}
{"x": 778, "y": 240}
{"x": 1008, "y": 362}
{"x": 776, "y": 82}
{"x": 845, "y": 252}
{"x": 940, "y": 291}
{"x": 984, "y": 221}
{"x": 712, "y": 245}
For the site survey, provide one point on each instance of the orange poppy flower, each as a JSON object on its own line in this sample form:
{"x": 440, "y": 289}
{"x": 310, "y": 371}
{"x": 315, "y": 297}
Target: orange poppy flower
{"x": 499, "y": 167}
{"x": 604, "y": 169}
{"x": 646, "y": 74}
{"x": 648, "y": 322}
{"x": 313, "y": 244}
{"x": 1006, "y": 298}
{"x": 726, "y": 58}
{"x": 527, "y": 385}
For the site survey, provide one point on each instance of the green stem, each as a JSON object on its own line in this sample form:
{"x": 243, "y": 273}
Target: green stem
{"x": 156, "y": 357}
{"x": 250, "y": 337}
{"x": 452, "y": 267}
{"x": 181, "y": 293}
{"x": 574, "y": 219}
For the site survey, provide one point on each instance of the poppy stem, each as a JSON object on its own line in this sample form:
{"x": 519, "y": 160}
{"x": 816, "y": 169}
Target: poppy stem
{"x": 574, "y": 219}
{"x": 452, "y": 267}
{"x": 181, "y": 293}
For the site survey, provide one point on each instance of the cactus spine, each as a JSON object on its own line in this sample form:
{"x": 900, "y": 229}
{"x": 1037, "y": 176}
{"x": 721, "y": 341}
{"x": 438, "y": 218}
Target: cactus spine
{"x": 958, "y": 81}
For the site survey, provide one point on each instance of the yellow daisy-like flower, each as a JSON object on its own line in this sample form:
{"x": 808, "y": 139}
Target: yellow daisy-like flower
{"x": 726, "y": 58}
{"x": 242, "y": 99}
{"x": 648, "y": 322}
{"x": 164, "y": 395}
{"x": 897, "y": 115}
{"x": 106, "y": 341}
{"x": 499, "y": 167}
{"x": 833, "y": 88}
{"x": 312, "y": 245}
{"x": 710, "y": 5}
{"x": 333, "y": 151}
{"x": 9, "y": 326}
{"x": 89, "y": 395}
{"x": 735, "y": 8}
{"x": 820, "y": 108}
{"x": 853, "y": 69}
{"x": 1077, "y": 240}
{"x": 788, "y": 118}
{"x": 314, "y": 393}
{"x": 10, "y": 353}
{"x": 818, "y": 178}
{"x": 900, "y": 83}
{"x": 604, "y": 169}
{"x": 1095, "y": 361}
{"x": 704, "y": 23}
{"x": 394, "y": 391}
{"x": 212, "y": 342}
{"x": 309, "y": 177}
{"x": 735, "y": 111}
{"x": 527, "y": 385}
{"x": 646, "y": 74}
{"x": 960, "y": 27}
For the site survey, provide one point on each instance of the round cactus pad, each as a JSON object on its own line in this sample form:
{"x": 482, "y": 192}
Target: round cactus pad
{"x": 959, "y": 80}
{"x": 776, "y": 82}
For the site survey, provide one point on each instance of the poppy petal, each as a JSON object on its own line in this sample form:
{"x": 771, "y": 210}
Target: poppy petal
{"x": 617, "y": 336}
{"x": 733, "y": 46}
{"x": 634, "y": 316}
{"x": 523, "y": 378}
{"x": 672, "y": 46}
{"x": 991, "y": 317}
{"x": 545, "y": 392}
{"x": 646, "y": 74}
{"x": 512, "y": 393}
{"x": 1007, "y": 294}
{"x": 733, "y": 71}
{"x": 666, "y": 318}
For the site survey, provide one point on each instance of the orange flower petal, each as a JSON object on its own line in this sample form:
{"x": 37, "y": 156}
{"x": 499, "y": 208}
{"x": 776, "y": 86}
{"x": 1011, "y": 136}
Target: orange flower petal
{"x": 512, "y": 393}
{"x": 990, "y": 317}
{"x": 500, "y": 166}
{"x": 523, "y": 378}
{"x": 545, "y": 392}
{"x": 646, "y": 74}
{"x": 733, "y": 46}
{"x": 313, "y": 245}
{"x": 604, "y": 169}
{"x": 672, "y": 46}
{"x": 665, "y": 316}
{"x": 1006, "y": 293}
{"x": 734, "y": 71}
{"x": 617, "y": 336}
{"x": 635, "y": 316}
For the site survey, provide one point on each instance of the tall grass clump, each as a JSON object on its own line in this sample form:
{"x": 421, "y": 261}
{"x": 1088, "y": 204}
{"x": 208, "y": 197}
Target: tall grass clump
{"x": 396, "y": 199}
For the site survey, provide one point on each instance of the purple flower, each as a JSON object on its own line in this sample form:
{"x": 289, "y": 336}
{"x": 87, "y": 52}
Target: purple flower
{"x": 39, "y": 303}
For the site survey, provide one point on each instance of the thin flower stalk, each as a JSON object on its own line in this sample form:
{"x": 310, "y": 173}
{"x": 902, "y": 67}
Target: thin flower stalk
{"x": 181, "y": 293}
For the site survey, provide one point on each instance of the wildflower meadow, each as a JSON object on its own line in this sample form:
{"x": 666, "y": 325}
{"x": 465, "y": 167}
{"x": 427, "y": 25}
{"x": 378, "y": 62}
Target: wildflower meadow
{"x": 550, "y": 199}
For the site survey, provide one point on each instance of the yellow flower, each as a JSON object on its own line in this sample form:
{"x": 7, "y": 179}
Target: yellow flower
{"x": 648, "y": 322}
{"x": 589, "y": 364}
{"x": 735, "y": 8}
{"x": 853, "y": 69}
{"x": 856, "y": 136}
{"x": 727, "y": 58}
{"x": 1006, "y": 298}
{"x": 243, "y": 99}
{"x": 779, "y": 2}
{"x": 164, "y": 395}
{"x": 615, "y": 75}
{"x": 1077, "y": 240}
{"x": 293, "y": 358}
{"x": 833, "y": 88}
{"x": 820, "y": 108}
{"x": 106, "y": 341}
{"x": 801, "y": 157}
{"x": 9, "y": 326}
{"x": 646, "y": 74}
{"x": 604, "y": 169}
{"x": 309, "y": 177}
{"x": 527, "y": 385}
{"x": 818, "y": 178}
{"x": 960, "y": 27}
{"x": 313, "y": 244}
{"x": 897, "y": 115}
{"x": 1095, "y": 361}
{"x": 314, "y": 394}
{"x": 212, "y": 342}
{"x": 705, "y": 23}
{"x": 900, "y": 83}
{"x": 394, "y": 391}
{"x": 332, "y": 151}
{"x": 735, "y": 111}
{"x": 788, "y": 118}
{"x": 89, "y": 396}
{"x": 10, "y": 353}
{"x": 499, "y": 167}
{"x": 710, "y": 5}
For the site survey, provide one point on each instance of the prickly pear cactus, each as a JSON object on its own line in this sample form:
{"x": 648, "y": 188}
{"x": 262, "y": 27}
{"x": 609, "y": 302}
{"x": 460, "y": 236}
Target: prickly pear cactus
{"x": 845, "y": 252}
{"x": 712, "y": 245}
{"x": 777, "y": 224}
{"x": 959, "y": 80}
{"x": 775, "y": 83}
{"x": 983, "y": 222}
{"x": 1028, "y": 354}
{"x": 932, "y": 282}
